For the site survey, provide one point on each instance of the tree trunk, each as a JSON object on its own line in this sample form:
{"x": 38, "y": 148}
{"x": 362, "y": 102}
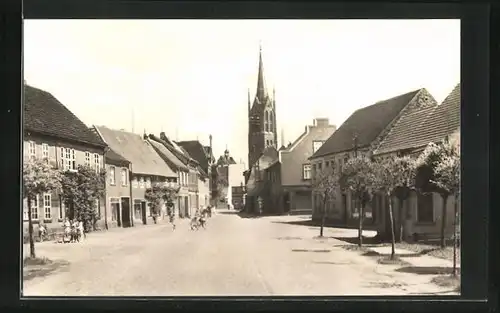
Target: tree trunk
{"x": 443, "y": 221}
{"x": 401, "y": 221}
{"x": 30, "y": 231}
{"x": 360, "y": 226}
{"x": 323, "y": 217}
{"x": 391, "y": 217}
{"x": 455, "y": 239}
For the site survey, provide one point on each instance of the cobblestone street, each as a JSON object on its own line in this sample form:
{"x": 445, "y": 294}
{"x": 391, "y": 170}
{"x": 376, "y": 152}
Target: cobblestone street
{"x": 233, "y": 256}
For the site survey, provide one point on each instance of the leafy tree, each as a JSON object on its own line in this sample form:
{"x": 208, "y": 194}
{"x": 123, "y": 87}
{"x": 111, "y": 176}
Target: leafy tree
{"x": 447, "y": 177}
{"x": 358, "y": 176}
{"x": 38, "y": 178}
{"x": 428, "y": 180}
{"x": 159, "y": 194}
{"x": 80, "y": 191}
{"x": 326, "y": 183}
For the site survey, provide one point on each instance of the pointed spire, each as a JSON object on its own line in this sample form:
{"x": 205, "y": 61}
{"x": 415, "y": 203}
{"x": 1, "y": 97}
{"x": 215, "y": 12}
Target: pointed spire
{"x": 249, "y": 103}
{"x": 261, "y": 83}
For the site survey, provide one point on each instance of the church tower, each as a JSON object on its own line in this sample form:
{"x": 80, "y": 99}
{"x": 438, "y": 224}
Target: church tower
{"x": 261, "y": 118}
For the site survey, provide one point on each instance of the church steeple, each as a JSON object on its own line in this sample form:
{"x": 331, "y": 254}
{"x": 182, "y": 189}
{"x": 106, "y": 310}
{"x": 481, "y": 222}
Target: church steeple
{"x": 261, "y": 83}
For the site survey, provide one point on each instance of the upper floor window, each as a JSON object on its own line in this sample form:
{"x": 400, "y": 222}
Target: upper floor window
{"x": 68, "y": 159}
{"x": 112, "y": 177}
{"x": 87, "y": 158}
{"x": 306, "y": 171}
{"x": 124, "y": 176}
{"x": 135, "y": 183}
{"x": 97, "y": 162}
{"x": 141, "y": 182}
{"x": 32, "y": 150}
{"x": 47, "y": 206}
{"x": 45, "y": 151}
{"x": 148, "y": 182}
{"x": 317, "y": 144}
{"x": 319, "y": 167}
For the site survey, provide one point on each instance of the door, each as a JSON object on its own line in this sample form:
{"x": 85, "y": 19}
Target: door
{"x": 125, "y": 212}
{"x": 118, "y": 214}
{"x": 186, "y": 206}
{"x": 143, "y": 212}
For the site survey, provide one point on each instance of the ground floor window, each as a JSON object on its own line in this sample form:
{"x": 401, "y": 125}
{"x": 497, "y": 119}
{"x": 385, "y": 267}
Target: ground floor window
{"x": 115, "y": 206}
{"x": 61, "y": 208}
{"x": 34, "y": 207}
{"x": 425, "y": 208}
{"x": 25, "y": 209}
{"x": 137, "y": 209}
{"x": 47, "y": 206}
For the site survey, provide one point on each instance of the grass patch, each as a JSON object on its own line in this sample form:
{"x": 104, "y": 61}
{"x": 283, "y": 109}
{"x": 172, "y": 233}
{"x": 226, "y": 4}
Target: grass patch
{"x": 29, "y": 261}
{"x": 386, "y": 260}
{"x": 447, "y": 281}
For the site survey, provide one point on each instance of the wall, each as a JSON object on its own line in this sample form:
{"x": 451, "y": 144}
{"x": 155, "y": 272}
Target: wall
{"x": 57, "y": 211}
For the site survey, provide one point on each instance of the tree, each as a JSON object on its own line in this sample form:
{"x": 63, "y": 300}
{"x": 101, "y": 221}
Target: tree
{"x": 80, "y": 191}
{"x": 392, "y": 174}
{"x": 447, "y": 177}
{"x": 159, "y": 194}
{"x": 326, "y": 184}
{"x": 358, "y": 176}
{"x": 38, "y": 178}
{"x": 219, "y": 184}
{"x": 427, "y": 179}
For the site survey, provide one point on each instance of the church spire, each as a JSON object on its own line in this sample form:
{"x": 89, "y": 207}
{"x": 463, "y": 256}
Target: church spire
{"x": 249, "y": 103}
{"x": 261, "y": 83}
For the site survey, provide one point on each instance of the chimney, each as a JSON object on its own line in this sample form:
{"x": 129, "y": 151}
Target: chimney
{"x": 321, "y": 122}
{"x": 162, "y": 136}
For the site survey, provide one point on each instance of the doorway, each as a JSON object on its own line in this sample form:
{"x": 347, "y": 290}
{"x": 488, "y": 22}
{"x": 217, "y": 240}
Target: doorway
{"x": 186, "y": 207}
{"x": 125, "y": 212}
{"x": 143, "y": 212}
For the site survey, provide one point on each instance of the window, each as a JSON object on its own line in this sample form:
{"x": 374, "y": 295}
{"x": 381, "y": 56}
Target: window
{"x": 112, "y": 177}
{"x": 97, "y": 162}
{"x": 47, "y": 206}
{"x": 148, "y": 182}
{"x": 270, "y": 142}
{"x": 141, "y": 182}
{"x": 267, "y": 143}
{"x": 32, "y": 150}
{"x": 319, "y": 167}
{"x": 135, "y": 183}
{"x": 316, "y": 145}
{"x": 68, "y": 159}
{"x": 25, "y": 209}
{"x": 87, "y": 158}
{"x": 45, "y": 151}
{"x": 124, "y": 176}
{"x": 425, "y": 208}
{"x": 327, "y": 164}
{"x": 306, "y": 171}
{"x": 34, "y": 208}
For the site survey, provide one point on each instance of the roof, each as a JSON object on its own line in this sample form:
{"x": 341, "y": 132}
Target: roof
{"x": 44, "y": 114}
{"x": 405, "y": 131}
{"x": 113, "y": 156}
{"x": 140, "y": 153}
{"x": 225, "y": 161}
{"x": 196, "y": 150}
{"x": 172, "y": 147}
{"x": 442, "y": 122}
{"x": 365, "y": 124}
{"x": 166, "y": 153}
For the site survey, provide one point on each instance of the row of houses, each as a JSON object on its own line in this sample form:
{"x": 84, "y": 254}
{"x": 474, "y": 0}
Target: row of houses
{"x": 402, "y": 125}
{"x": 132, "y": 162}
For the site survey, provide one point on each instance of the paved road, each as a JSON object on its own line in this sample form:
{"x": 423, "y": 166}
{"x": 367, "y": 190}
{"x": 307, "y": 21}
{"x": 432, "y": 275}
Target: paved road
{"x": 233, "y": 256}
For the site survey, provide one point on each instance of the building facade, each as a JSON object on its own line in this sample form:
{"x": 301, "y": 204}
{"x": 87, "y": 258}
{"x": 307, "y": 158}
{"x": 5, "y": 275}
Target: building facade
{"x": 146, "y": 168}
{"x": 296, "y": 168}
{"x": 359, "y": 135}
{"x": 54, "y": 133}
{"x": 118, "y": 190}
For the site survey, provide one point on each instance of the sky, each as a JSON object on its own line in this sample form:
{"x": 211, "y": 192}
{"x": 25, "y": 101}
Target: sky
{"x": 190, "y": 78}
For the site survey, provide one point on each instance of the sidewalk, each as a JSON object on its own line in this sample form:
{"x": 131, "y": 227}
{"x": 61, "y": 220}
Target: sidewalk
{"x": 417, "y": 260}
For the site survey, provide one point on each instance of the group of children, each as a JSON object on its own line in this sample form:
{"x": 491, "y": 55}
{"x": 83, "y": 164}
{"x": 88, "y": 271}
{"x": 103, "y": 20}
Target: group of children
{"x": 73, "y": 230}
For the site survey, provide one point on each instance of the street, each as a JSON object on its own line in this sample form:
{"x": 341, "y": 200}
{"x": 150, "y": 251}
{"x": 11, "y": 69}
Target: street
{"x": 233, "y": 257}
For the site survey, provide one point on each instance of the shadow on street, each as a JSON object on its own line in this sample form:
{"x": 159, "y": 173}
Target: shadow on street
{"x": 333, "y": 263}
{"x": 426, "y": 270}
{"x": 310, "y": 250}
{"x": 289, "y": 238}
{"x": 42, "y": 270}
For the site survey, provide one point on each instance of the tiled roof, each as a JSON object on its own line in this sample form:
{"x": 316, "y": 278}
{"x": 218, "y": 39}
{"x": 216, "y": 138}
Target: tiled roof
{"x": 366, "y": 123}
{"x": 134, "y": 148}
{"x": 172, "y": 147}
{"x": 442, "y": 122}
{"x": 44, "y": 114}
{"x": 113, "y": 156}
{"x": 166, "y": 153}
{"x": 405, "y": 132}
{"x": 197, "y": 152}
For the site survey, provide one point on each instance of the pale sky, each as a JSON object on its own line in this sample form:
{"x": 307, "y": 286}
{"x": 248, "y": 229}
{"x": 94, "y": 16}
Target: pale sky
{"x": 189, "y": 78}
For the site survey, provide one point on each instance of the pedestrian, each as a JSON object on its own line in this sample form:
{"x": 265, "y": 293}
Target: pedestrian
{"x": 81, "y": 230}
{"x": 67, "y": 231}
{"x": 202, "y": 220}
{"x": 172, "y": 220}
{"x": 42, "y": 231}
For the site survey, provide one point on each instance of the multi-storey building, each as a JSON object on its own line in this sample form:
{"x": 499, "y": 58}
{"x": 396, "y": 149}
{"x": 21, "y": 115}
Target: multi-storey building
{"x": 146, "y": 168}
{"x": 52, "y": 132}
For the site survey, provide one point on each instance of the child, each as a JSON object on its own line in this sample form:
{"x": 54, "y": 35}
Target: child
{"x": 42, "y": 231}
